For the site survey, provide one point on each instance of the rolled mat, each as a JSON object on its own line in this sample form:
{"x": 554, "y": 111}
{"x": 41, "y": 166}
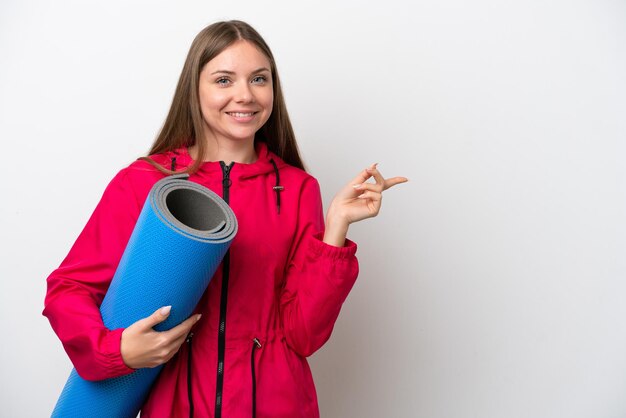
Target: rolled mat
{"x": 180, "y": 238}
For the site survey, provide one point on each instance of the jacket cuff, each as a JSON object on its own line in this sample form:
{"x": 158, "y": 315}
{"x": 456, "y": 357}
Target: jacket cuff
{"x": 320, "y": 248}
{"x": 113, "y": 353}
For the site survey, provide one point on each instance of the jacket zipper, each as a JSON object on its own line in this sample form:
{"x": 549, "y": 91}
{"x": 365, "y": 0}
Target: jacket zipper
{"x": 221, "y": 336}
{"x": 189, "y": 391}
{"x": 255, "y": 344}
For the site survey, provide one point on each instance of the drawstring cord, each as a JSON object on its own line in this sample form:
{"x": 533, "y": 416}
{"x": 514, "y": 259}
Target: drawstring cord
{"x": 189, "y": 392}
{"x": 278, "y": 188}
{"x": 255, "y": 344}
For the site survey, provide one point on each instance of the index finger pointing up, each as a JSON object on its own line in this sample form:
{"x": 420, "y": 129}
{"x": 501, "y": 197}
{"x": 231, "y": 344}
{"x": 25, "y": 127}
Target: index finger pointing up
{"x": 377, "y": 176}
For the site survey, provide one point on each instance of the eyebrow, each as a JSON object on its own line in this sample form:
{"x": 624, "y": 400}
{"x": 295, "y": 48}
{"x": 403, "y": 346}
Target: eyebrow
{"x": 258, "y": 70}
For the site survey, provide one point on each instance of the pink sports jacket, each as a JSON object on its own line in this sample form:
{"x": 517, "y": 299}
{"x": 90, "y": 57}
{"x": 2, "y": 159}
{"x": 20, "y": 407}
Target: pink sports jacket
{"x": 273, "y": 301}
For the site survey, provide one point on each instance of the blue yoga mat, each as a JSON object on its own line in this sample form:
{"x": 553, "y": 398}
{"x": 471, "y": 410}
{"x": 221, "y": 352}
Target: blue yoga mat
{"x": 180, "y": 238}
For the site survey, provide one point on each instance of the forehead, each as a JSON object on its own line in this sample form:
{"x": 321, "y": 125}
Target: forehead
{"x": 241, "y": 56}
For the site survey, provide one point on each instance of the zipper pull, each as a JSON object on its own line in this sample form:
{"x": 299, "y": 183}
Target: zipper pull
{"x": 226, "y": 181}
{"x": 226, "y": 168}
{"x": 256, "y": 342}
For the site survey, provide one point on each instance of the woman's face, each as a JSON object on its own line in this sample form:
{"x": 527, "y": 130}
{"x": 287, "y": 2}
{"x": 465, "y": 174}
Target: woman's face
{"x": 236, "y": 93}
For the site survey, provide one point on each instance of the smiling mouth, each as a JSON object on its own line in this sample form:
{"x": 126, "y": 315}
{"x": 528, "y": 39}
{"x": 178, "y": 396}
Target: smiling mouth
{"x": 241, "y": 115}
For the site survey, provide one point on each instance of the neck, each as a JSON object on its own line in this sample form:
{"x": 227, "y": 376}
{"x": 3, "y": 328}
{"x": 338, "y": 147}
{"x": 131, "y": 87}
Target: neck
{"x": 240, "y": 152}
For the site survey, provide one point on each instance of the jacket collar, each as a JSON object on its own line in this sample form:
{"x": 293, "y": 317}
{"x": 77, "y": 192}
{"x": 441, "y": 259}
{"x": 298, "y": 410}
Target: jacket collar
{"x": 239, "y": 171}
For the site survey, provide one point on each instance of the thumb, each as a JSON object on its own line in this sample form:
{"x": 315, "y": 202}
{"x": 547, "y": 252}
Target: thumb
{"x": 157, "y": 317}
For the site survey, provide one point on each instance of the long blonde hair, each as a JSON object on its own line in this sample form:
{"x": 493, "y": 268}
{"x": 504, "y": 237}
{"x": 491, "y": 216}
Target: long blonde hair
{"x": 183, "y": 125}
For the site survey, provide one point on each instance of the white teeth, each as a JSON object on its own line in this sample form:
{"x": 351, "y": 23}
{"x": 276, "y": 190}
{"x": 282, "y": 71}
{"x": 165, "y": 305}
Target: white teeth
{"x": 241, "y": 115}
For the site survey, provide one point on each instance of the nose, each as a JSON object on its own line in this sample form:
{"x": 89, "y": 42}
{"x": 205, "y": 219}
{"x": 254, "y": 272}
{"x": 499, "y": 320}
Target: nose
{"x": 244, "y": 93}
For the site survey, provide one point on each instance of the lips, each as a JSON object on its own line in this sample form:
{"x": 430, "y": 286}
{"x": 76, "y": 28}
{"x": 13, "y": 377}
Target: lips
{"x": 241, "y": 114}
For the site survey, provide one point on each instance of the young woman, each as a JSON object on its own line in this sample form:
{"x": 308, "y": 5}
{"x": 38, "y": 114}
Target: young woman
{"x": 276, "y": 296}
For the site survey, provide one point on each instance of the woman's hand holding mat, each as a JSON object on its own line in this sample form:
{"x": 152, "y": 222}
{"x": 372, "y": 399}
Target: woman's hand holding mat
{"x": 142, "y": 346}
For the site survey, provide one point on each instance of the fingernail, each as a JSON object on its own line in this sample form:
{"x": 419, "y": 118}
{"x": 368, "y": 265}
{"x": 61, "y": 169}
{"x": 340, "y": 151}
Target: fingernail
{"x": 166, "y": 310}
{"x": 356, "y": 186}
{"x": 198, "y": 317}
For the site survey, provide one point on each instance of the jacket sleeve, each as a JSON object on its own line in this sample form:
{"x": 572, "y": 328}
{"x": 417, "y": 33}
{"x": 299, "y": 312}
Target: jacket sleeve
{"x": 77, "y": 287}
{"x": 319, "y": 277}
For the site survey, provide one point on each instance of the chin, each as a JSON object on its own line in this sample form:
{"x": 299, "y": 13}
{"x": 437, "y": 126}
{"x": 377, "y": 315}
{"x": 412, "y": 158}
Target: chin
{"x": 242, "y": 136}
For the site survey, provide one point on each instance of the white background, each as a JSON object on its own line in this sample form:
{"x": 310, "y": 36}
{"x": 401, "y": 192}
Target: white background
{"x": 492, "y": 285}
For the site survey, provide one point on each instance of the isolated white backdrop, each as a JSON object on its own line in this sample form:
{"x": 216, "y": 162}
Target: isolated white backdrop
{"x": 492, "y": 284}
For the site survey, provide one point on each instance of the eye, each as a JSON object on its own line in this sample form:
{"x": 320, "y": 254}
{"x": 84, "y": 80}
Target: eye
{"x": 222, "y": 81}
{"x": 259, "y": 79}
